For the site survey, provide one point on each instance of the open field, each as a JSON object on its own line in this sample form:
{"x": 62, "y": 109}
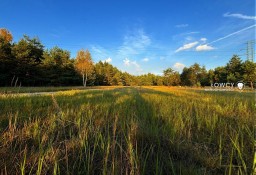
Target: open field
{"x": 141, "y": 130}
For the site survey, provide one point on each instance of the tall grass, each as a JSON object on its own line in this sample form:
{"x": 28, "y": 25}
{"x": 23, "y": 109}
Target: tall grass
{"x": 128, "y": 131}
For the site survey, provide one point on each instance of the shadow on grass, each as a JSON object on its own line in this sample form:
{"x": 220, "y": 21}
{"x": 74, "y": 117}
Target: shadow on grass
{"x": 113, "y": 132}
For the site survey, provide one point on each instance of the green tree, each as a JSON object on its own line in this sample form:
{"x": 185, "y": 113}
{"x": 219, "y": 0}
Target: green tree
{"x": 203, "y": 77}
{"x": 7, "y": 61}
{"x": 220, "y": 74}
{"x": 28, "y": 53}
{"x": 100, "y": 73}
{"x": 129, "y": 80}
{"x": 195, "y": 72}
{"x": 56, "y": 56}
{"x": 249, "y": 72}
{"x": 84, "y": 65}
{"x": 234, "y": 69}
{"x": 117, "y": 79}
{"x": 146, "y": 80}
{"x": 109, "y": 73}
{"x": 171, "y": 77}
{"x": 191, "y": 76}
{"x": 58, "y": 68}
{"x": 159, "y": 81}
{"x": 184, "y": 77}
{"x": 210, "y": 76}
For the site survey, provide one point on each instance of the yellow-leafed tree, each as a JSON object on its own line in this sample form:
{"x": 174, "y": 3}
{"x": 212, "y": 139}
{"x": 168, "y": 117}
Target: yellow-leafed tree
{"x": 6, "y": 35}
{"x": 84, "y": 64}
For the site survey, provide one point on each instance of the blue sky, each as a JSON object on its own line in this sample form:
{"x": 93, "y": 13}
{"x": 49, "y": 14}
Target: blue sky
{"x": 138, "y": 36}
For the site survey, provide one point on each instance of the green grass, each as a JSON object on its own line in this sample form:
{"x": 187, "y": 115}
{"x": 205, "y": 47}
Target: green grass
{"x": 15, "y": 90}
{"x": 128, "y": 131}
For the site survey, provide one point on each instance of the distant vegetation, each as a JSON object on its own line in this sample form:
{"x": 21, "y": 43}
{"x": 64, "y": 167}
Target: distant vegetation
{"x": 27, "y": 63}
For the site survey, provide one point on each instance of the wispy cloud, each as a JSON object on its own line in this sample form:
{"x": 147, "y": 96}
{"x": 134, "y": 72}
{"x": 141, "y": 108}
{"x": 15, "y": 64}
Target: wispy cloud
{"x": 178, "y": 66}
{"x": 145, "y": 59}
{"x": 234, "y": 33}
{"x": 189, "y": 38}
{"x": 134, "y": 43}
{"x": 204, "y": 47}
{"x": 96, "y": 49}
{"x": 238, "y": 15}
{"x": 201, "y": 47}
{"x": 138, "y": 68}
{"x": 190, "y": 33}
{"x": 181, "y": 25}
{"x": 187, "y": 46}
{"x": 132, "y": 51}
{"x": 127, "y": 62}
{"x": 99, "y": 52}
{"x": 108, "y": 60}
{"x": 203, "y": 39}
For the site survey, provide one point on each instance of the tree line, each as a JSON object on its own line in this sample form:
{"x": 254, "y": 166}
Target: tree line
{"x": 27, "y": 63}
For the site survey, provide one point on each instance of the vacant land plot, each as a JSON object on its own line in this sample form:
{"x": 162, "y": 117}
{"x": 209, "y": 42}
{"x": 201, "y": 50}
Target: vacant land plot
{"x": 128, "y": 131}
{"x": 16, "y": 90}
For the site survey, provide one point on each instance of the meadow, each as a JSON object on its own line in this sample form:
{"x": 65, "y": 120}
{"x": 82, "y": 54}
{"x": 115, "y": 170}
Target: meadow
{"x": 133, "y": 130}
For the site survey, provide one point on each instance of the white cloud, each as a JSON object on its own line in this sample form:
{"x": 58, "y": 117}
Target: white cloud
{"x": 181, "y": 25}
{"x": 145, "y": 60}
{"x": 137, "y": 40}
{"x": 203, "y": 39}
{"x": 187, "y": 46}
{"x": 157, "y": 73}
{"x": 238, "y": 15}
{"x": 204, "y": 47}
{"x": 135, "y": 64}
{"x": 178, "y": 66}
{"x": 134, "y": 43}
{"x": 97, "y": 49}
{"x": 189, "y": 38}
{"x": 189, "y": 33}
{"x": 108, "y": 60}
{"x": 99, "y": 53}
{"x": 126, "y": 62}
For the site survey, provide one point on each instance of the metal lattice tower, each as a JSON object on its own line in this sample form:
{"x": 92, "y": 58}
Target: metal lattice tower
{"x": 250, "y": 50}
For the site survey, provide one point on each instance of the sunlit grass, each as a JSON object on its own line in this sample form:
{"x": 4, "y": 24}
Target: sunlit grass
{"x": 12, "y": 90}
{"x": 128, "y": 131}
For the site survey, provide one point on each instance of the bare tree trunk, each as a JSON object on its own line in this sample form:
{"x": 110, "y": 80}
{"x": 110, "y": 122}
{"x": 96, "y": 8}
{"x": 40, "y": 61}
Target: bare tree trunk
{"x": 12, "y": 80}
{"x": 83, "y": 80}
{"x": 16, "y": 81}
{"x": 251, "y": 85}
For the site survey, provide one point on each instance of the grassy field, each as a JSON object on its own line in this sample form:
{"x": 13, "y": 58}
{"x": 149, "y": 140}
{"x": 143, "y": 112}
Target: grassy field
{"x": 16, "y": 90}
{"x": 141, "y": 130}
